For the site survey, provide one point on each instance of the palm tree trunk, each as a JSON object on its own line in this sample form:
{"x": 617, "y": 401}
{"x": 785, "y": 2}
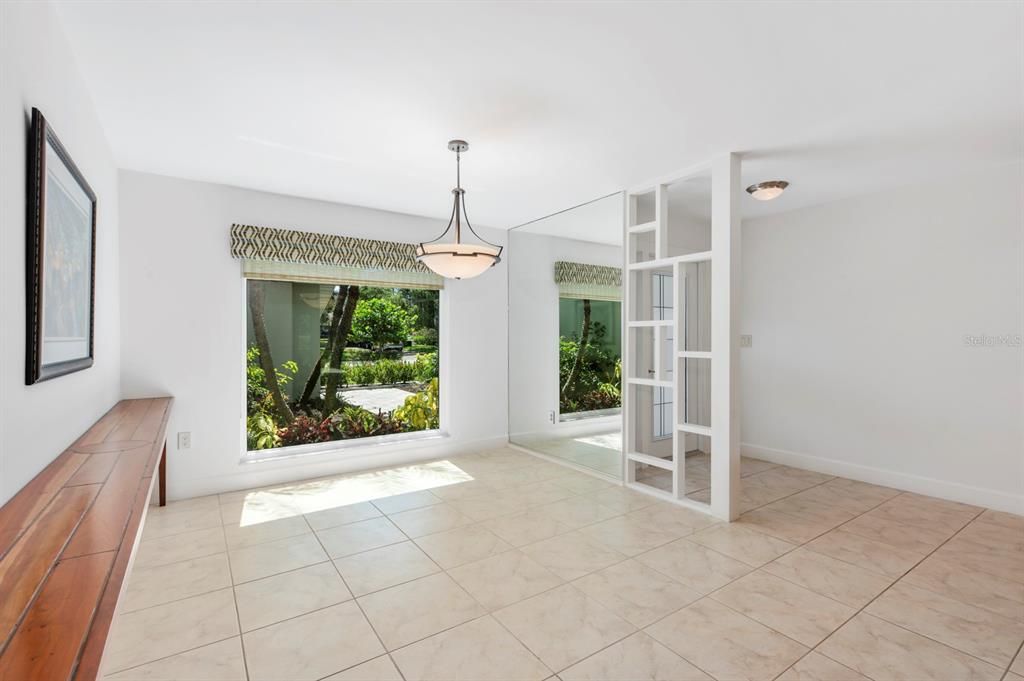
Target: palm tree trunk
{"x": 580, "y": 350}
{"x": 337, "y": 348}
{"x": 259, "y": 326}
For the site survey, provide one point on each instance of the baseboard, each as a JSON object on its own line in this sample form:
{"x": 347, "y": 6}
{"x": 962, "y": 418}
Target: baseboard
{"x": 571, "y": 428}
{"x": 953, "y": 491}
{"x": 564, "y": 462}
{"x": 271, "y": 472}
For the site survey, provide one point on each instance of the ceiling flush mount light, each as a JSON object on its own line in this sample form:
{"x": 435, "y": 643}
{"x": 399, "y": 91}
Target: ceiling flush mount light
{"x": 766, "y": 191}
{"x": 458, "y": 260}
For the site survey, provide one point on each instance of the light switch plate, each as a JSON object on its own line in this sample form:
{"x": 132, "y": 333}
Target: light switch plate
{"x": 746, "y": 341}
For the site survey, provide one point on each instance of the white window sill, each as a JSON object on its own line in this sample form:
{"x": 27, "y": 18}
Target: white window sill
{"x": 344, "y": 448}
{"x": 594, "y": 414}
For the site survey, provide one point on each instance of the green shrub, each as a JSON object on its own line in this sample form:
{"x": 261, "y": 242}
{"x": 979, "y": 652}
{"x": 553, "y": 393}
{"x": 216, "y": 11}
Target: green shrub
{"x": 381, "y": 372}
{"x": 394, "y": 371}
{"x": 420, "y": 410}
{"x": 597, "y": 382}
{"x": 256, "y": 392}
{"x": 359, "y": 374}
{"x": 595, "y": 399}
{"x": 422, "y": 348}
{"x": 261, "y": 432}
{"x": 425, "y": 337}
{"x": 380, "y": 321}
{"x": 356, "y": 354}
{"x": 354, "y": 422}
{"x": 425, "y": 367}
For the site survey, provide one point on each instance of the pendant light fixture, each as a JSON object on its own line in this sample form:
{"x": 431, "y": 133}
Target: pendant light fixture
{"x": 458, "y": 260}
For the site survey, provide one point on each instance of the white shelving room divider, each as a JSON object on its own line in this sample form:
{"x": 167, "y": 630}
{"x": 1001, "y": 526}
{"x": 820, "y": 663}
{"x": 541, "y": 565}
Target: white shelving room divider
{"x": 646, "y": 338}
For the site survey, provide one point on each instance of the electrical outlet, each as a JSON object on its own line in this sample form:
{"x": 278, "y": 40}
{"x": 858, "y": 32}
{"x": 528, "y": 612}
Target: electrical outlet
{"x": 184, "y": 440}
{"x": 551, "y": 416}
{"x": 746, "y": 341}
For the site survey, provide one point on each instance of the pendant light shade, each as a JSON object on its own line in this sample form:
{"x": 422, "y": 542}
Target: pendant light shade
{"x": 458, "y": 260}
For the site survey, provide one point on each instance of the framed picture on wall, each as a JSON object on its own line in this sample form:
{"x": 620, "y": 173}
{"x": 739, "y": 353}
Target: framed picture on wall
{"x": 61, "y": 259}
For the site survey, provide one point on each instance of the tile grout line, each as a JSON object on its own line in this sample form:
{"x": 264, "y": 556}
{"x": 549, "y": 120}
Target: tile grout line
{"x": 1006, "y": 672}
{"x": 145, "y": 539}
{"x": 894, "y": 583}
{"x": 234, "y": 599}
{"x": 241, "y": 637}
{"x": 755, "y": 569}
{"x": 804, "y": 545}
{"x": 357, "y": 603}
{"x": 637, "y": 630}
{"x": 408, "y": 539}
{"x": 894, "y": 580}
{"x": 108, "y": 675}
{"x": 489, "y": 613}
{"x": 176, "y": 562}
{"x": 811, "y": 649}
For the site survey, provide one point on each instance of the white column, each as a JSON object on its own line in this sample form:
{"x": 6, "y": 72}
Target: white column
{"x": 725, "y": 300}
{"x": 661, "y": 221}
{"x": 629, "y": 219}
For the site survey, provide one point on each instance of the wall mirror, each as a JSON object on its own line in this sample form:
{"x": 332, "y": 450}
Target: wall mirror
{"x": 565, "y": 336}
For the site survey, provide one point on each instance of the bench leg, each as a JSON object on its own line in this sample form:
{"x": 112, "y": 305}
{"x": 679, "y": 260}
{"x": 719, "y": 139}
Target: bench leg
{"x": 163, "y": 476}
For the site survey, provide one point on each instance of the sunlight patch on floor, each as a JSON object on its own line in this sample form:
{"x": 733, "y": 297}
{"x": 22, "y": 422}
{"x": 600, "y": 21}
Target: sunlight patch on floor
{"x": 600, "y": 450}
{"x": 606, "y": 440}
{"x": 285, "y": 501}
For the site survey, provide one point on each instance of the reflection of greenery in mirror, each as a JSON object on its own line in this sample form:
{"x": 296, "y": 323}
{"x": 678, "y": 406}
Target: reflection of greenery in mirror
{"x": 339, "y": 362}
{"x": 589, "y": 357}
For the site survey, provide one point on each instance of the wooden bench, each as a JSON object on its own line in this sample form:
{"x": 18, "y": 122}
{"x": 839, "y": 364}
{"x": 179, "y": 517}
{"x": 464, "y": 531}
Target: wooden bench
{"x": 66, "y": 540}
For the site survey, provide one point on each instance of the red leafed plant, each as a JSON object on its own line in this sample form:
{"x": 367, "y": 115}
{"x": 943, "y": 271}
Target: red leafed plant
{"x": 305, "y": 430}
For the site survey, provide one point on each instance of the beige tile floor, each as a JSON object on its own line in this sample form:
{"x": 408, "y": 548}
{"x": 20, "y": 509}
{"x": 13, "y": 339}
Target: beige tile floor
{"x": 502, "y": 566}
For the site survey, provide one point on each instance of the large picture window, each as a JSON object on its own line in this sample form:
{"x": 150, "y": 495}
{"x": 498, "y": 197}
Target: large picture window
{"x": 339, "y": 362}
{"x": 589, "y": 357}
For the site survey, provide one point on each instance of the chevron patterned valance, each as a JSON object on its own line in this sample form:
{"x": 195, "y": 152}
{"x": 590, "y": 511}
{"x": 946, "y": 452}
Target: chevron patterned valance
{"x": 269, "y": 253}
{"x": 581, "y": 280}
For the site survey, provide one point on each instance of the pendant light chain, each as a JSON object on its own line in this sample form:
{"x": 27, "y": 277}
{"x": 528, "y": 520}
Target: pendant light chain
{"x": 458, "y": 197}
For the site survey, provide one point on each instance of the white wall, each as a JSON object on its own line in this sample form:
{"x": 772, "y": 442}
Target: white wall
{"x": 183, "y": 324}
{"x": 38, "y": 70}
{"x": 533, "y": 322}
{"x": 858, "y": 311}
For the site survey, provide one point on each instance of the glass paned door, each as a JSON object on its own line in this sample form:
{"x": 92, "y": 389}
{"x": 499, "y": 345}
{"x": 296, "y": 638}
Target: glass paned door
{"x": 662, "y": 303}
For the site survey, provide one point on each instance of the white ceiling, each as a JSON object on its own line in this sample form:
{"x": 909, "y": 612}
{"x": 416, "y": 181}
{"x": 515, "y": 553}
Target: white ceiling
{"x": 561, "y": 102}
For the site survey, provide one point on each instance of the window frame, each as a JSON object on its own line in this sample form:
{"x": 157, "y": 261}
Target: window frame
{"x": 355, "y": 447}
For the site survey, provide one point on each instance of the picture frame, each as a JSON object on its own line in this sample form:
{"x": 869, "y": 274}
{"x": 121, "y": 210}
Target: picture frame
{"x": 60, "y": 259}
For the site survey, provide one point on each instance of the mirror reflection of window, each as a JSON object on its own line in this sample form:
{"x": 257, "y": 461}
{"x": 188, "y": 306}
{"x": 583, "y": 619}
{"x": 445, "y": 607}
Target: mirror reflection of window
{"x": 566, "y": 336}
{"x": 589, "y": 357}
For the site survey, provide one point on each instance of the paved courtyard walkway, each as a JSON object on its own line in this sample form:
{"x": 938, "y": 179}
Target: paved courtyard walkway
{"x": 374, "y": 399}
